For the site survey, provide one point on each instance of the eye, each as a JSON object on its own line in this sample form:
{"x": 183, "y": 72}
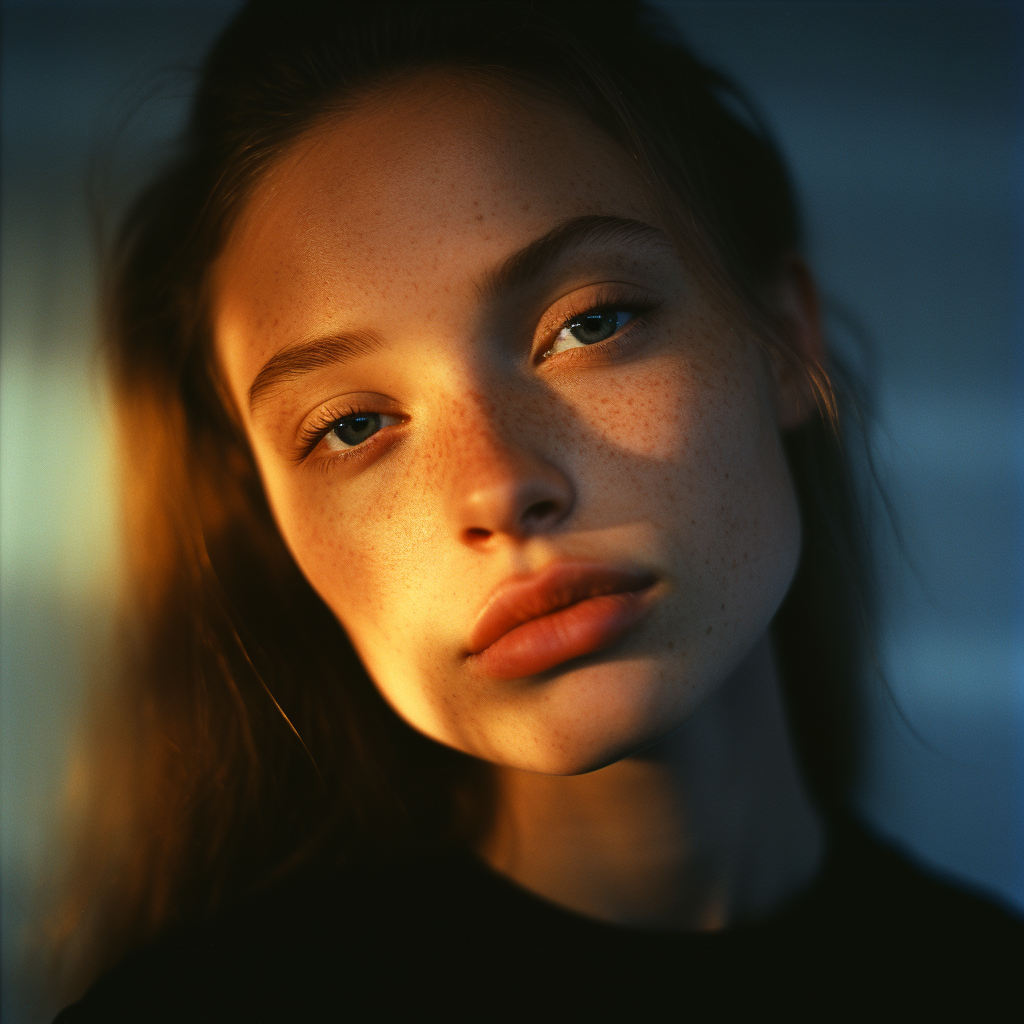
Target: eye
{"x": 588, "y": 329}
{"x": 356, "y": 428}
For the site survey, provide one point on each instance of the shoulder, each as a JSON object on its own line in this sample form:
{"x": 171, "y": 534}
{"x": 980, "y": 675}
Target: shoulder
{"x": 249, "y": 963}
{"x": 402, "y": 938}
{"x": 871, "y": 887}
{"x": 881, "y": 930}
{"x": 326, "y": 941}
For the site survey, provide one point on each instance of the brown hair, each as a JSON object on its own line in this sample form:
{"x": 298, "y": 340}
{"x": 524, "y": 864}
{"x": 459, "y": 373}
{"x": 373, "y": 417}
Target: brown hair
{"x": 252, "y": 738}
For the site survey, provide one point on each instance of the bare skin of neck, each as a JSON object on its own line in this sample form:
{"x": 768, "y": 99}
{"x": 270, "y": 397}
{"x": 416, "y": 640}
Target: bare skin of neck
{"x": 710, "y": 828}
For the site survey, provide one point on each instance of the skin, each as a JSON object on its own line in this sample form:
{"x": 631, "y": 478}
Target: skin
{"x": 651, "y": 783}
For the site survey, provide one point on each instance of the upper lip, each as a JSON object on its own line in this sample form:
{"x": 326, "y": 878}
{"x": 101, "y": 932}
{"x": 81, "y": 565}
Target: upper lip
{"x": 558, "y": 585}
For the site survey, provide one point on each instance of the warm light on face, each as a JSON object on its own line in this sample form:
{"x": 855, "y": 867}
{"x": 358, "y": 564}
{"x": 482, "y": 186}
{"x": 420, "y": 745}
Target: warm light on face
{"x": 467, "y": 354}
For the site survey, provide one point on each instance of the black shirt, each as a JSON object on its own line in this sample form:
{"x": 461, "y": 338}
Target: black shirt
{"x": 873, "y": 938}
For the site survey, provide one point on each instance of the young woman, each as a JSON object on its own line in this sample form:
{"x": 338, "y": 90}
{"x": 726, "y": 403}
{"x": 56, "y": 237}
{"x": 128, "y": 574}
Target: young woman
{"x": 497, "y": 600}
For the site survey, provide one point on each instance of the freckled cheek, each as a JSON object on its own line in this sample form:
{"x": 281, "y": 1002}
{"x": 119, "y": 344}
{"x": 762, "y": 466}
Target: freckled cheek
{"x": 650, "y": 415}
{"x": 341, "y": 543}
{"x": 696, "y": 453}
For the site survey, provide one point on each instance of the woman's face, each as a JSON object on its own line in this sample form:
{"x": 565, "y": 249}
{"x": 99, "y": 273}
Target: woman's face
{"x": 532, "y": 469}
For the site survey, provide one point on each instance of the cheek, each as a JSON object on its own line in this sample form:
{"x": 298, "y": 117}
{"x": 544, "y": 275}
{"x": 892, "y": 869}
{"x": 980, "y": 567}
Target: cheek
{"x": 377, "y": 551}
{"x": 738, "y": 521}
{"x": 679, "y": 436}
{"x": 362, "y": 548}
{"x": 344, "y": 541}
{"x": 689, "y": 448}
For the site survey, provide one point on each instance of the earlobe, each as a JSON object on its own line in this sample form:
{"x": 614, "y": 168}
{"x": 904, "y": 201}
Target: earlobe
{"x": 796, "y": 297}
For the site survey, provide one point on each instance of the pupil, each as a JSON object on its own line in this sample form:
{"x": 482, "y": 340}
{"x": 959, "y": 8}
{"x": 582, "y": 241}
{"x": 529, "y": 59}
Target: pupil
{"x": 596, "y": 326}
{"x": 354, "y": 429}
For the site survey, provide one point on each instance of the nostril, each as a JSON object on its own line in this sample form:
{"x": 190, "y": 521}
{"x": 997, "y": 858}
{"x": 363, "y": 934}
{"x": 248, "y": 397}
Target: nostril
{"x": 540, "y": 511}
{"x": 511, "y": 505}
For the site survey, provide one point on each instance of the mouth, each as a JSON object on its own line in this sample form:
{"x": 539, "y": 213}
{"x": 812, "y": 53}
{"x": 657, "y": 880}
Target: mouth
{"x": 566, "y": 611}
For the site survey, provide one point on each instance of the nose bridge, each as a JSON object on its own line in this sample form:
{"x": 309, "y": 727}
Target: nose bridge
{"x": 486, "y": 440}
{"x": 502, "y": 479}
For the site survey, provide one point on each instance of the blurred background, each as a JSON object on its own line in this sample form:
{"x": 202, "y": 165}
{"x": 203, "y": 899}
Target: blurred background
{"x": 904, "y": 126}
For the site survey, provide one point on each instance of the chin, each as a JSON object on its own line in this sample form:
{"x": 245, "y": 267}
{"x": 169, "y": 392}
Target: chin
{"x": 590, "y": 716}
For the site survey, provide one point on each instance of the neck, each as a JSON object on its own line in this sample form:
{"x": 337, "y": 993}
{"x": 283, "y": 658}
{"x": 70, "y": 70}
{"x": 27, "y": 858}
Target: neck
{"x": 710, "y": 828}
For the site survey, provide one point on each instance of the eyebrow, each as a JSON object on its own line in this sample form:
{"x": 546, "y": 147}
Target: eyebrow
{"x": 519, "y": 269}
{"x": 530, "y": 262}
{"x": 297, "y": 360}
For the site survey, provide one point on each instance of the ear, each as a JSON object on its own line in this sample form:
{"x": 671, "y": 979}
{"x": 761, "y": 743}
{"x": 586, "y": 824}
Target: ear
{"x": 796, "y": 301}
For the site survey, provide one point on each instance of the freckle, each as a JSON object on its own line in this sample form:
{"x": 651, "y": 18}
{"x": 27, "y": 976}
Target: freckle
{"x": 709, "y": 631}
{"x": 723, "y": 607}
{"x": 671, "y": 646}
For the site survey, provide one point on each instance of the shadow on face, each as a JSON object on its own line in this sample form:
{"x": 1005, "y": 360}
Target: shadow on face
{"x": 467, "y": 353}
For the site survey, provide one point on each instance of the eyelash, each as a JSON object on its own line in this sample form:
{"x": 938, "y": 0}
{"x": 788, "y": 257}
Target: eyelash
{"x": 311, "y": 437}
{"x": 641, "y": 306}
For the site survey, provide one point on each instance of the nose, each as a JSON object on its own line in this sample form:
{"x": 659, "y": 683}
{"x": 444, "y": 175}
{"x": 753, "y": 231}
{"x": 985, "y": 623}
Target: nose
{"x": 506, "y": 490}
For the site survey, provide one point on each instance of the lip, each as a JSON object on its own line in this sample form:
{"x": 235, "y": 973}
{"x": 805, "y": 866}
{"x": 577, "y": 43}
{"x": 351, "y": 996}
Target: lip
{"x": 567, "y": 610}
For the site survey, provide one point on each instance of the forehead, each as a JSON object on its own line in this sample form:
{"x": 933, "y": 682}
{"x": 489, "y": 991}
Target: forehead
{"x": 417, "y": 191}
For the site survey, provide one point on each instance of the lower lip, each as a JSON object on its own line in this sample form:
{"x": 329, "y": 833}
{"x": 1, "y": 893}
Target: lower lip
{"x": 585, "y": 627}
